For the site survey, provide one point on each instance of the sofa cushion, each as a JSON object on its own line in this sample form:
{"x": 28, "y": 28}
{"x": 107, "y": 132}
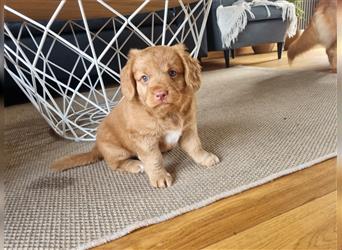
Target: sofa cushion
{"x": 225, "y": 2}
{"x": 260, "y": 13}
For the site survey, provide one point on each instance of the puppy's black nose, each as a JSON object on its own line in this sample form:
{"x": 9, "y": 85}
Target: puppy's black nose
{"x": 161, "y": 95}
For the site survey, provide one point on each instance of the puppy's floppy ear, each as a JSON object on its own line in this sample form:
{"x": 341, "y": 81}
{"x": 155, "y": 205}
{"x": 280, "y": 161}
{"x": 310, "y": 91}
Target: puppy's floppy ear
{"x": 128, "y": 85}
{"x": 192, "y": 67}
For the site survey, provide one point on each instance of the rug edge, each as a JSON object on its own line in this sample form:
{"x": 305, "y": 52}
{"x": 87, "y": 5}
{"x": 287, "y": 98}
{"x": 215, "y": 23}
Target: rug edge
{"x": 202, "y": 203}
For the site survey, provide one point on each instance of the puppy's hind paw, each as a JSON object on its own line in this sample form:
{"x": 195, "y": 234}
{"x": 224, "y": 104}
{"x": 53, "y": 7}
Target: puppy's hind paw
{"x": 132, "y": 166}
{"x": 209, "y": 159}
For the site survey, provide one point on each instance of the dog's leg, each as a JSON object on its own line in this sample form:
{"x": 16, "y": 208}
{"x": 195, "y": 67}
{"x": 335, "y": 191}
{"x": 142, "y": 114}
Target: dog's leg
{"x": 153, "y": 166}
{"x": 302, "y": 44}
{"x": 190, "y": 143}
{"x": 332, "y": 54}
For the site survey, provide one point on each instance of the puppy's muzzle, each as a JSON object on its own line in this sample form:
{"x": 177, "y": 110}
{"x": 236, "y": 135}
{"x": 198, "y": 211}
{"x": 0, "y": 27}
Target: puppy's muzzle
{"x": 161, "y": 95}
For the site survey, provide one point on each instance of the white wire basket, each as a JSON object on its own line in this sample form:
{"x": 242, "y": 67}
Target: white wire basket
{"x": 74, "y": 104}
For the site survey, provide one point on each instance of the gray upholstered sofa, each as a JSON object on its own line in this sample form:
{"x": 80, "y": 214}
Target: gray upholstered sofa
{"x": 262, "y": 29}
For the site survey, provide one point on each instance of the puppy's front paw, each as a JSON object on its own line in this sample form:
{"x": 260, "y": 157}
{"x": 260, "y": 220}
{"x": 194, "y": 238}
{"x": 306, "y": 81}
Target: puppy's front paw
{"x": 161, "y": 180}
{"x": 209, "y": 159}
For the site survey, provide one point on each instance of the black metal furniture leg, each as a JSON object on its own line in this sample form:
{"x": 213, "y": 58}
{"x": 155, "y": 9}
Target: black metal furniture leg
{"x": 280, "y": 47}
{"x": 232, "y": 52}
{"x": 226, "y": 57}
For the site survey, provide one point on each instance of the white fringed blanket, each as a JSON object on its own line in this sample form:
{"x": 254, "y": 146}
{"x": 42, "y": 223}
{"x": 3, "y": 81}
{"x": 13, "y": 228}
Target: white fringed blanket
{"x": 233, "y": 19}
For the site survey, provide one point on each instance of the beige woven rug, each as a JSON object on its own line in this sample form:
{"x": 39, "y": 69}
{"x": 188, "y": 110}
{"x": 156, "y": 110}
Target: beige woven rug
{"x": 262, "y": 123}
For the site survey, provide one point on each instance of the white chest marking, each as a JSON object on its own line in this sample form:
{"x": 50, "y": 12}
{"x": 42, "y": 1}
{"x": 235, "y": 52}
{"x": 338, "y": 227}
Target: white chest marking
{"x": 172, "y": 136}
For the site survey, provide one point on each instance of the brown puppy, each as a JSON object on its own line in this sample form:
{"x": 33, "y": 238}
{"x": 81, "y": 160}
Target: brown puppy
{"x": 158, "y": 110}
{"x": 321, "y": 30}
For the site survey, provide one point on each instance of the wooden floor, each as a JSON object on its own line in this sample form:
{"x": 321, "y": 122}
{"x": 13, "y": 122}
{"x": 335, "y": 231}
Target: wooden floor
{"x": 293, "y": 212}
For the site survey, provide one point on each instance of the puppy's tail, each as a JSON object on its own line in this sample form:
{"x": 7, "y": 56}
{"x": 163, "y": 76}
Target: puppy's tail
{"x": 304, "y": 43}
{"x": 77, "y": 160}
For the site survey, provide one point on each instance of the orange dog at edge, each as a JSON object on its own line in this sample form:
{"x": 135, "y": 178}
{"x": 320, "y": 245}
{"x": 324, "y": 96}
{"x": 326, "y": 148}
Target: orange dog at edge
{"x": 157, "y": 112}
{"x": 321, "y": 30}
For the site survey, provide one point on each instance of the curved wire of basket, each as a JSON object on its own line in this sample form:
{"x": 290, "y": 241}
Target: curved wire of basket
{"x": 74, "y": 103}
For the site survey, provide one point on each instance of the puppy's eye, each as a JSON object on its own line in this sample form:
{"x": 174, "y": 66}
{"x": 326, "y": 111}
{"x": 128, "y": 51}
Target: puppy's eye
{"x": 144, "y": 78}
{"x": 172, "y": 73}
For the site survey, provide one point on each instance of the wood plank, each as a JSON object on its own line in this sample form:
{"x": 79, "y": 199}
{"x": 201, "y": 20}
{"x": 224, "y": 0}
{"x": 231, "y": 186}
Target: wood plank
{"x": 43, "y": 9}
{"x": 223, "y": 219}
{"x": 311, "y": 226}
